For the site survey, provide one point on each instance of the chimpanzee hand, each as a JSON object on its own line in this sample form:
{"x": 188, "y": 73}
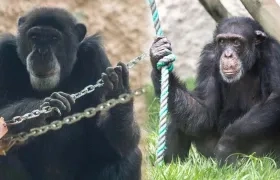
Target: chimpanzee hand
{"x": 116, "y": 80}
{"x": 61, "y": 101}
{"x": 161, "y": 47}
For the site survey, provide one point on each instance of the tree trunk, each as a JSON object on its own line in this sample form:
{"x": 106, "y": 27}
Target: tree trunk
{"x": 216, "y": 9}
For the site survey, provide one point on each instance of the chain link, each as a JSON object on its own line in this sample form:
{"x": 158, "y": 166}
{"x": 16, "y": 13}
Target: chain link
{"x": 33, "y": 114}
{"x": 56, "y": 125}
{"x": 88, "y": 89}
{"x": 135, "y": 61}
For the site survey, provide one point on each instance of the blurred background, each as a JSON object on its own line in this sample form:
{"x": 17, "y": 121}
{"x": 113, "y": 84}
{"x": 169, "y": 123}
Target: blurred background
{"x": 127, "y": 28}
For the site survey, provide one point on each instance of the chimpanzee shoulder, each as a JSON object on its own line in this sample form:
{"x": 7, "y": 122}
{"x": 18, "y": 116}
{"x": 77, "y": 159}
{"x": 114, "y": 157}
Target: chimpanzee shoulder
{"x": 92, "y": 49}
{"x": 10, "y": 66}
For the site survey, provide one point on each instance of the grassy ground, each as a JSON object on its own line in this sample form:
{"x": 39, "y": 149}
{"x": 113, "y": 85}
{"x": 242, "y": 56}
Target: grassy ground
{"x": 198, "y": 167}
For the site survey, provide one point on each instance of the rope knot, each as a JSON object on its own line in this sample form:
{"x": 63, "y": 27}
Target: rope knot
{"x": 167, "y": 61}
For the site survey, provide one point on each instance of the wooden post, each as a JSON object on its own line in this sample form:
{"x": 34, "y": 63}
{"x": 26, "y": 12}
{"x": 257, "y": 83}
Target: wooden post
{"x": 216, "y": 9}
{"x": 267, "y": 13}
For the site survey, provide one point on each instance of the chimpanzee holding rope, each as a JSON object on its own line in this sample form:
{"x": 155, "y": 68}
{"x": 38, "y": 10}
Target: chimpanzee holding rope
{"x": 235, "y": 107}
{"x": 50, "y": 57}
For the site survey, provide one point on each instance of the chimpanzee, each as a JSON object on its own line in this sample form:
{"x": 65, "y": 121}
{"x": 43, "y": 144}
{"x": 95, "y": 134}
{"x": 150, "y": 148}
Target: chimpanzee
{"x": 235, "y": 106}
{"x": 51, "y": 57}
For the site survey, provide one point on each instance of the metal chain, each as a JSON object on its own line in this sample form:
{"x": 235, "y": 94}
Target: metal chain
{"x": 56, "y": 125}
{"x": 88, "y": 89}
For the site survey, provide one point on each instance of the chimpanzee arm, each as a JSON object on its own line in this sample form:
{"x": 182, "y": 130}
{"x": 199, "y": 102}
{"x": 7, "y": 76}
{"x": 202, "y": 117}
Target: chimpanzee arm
{"x": 121, "y": 128}
{"x": 118, "y": 124}
{"x": 195, "y": 112}
{"x": 247, "y": 133}
{"x": 270, "y": 56}
{"x": 20, "y": 108}
{"x": 12, "y": 79}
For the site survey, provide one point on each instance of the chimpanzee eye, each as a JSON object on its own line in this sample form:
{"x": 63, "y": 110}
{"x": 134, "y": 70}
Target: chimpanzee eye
{"x": 236, "y": 42}
{"x": 221, "y": 41}
{"x": 33, "y": 37}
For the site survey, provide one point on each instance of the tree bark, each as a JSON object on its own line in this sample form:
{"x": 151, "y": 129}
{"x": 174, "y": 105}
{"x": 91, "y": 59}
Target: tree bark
{"x": 216, "y": 9}
{"x": 267, "y": 13}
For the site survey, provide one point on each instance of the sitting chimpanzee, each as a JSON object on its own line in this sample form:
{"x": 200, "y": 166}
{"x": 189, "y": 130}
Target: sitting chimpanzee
{"x": 51, "y": 57}
{"x": 235, "y": 107}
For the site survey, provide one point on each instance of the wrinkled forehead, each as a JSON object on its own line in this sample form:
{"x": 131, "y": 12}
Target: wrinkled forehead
{"x": 239, "y": 29}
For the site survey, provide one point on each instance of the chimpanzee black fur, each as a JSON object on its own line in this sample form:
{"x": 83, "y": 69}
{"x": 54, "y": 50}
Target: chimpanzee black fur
{"x": 51, "y": 54}
{"x": 235, "y": 106}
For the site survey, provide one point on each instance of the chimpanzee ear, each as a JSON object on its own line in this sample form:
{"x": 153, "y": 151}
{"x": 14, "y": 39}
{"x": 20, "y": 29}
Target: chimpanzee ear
{"x": 21, "y": 20}
{"x": 260, "y": 36}
{"x": 81, "y": 31}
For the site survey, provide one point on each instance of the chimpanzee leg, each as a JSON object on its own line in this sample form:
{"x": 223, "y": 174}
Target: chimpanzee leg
{"x": 206, "y": 145}
{"x": 262, "y": 122}
{"x": 178, "y": 144}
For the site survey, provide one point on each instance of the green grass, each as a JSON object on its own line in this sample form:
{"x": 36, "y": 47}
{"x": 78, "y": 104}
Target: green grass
{"x": 197, "y": 167}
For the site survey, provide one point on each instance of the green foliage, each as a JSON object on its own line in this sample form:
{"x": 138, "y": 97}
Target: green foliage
{"x": 198, "y": 167}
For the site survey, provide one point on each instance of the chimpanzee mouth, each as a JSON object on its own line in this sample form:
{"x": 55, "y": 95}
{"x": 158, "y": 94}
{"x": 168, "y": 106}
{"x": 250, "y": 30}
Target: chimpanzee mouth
{"x": 230, "y": 72}
{"x": 44, "y": 75}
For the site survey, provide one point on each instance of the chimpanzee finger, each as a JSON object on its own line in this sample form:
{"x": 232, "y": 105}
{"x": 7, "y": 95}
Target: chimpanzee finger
{"x": 157, "y": 38}
{"x": 58, "y": 104}
{"x": 44, "y": 104}
{"x": 156, "y": 51}
{"x": 59, "y": 99}
{"x": 162, "y": 53}
{"x": 163, "y": 41}
{"x": 48, "y": 99}
{"x": 165, "y": 46}
{"x": 124, "y": 74}
{"x": 164, "y": 50}
{"x": 112, "y": 76}
{"x": 70, "y": 99}
{"x": 160, "y": 39}
{"x": 166, "y": 59}
{"x": 118, "y": 70}
{"x": 57, "y": 110}
{"x": 107, "y": 83}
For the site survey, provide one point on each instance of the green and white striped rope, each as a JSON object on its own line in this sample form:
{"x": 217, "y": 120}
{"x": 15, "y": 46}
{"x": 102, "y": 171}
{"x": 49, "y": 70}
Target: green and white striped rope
{"x": 166, "y": 66}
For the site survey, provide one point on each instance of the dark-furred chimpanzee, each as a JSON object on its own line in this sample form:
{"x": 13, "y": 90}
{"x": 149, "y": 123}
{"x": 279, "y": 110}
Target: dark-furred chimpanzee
{"x": 235, "y": 107}
{"x": 50, "y": 57}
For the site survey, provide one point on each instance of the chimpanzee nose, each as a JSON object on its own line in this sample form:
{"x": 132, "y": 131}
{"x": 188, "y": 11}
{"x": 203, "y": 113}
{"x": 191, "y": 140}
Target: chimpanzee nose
{"x": 228, "y": 53}
{"x": 42, "y": 50}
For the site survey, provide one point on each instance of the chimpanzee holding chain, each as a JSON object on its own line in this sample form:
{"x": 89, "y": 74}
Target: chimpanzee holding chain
{"x": 235, "y": 107}
{"x": 51, "y": 57}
